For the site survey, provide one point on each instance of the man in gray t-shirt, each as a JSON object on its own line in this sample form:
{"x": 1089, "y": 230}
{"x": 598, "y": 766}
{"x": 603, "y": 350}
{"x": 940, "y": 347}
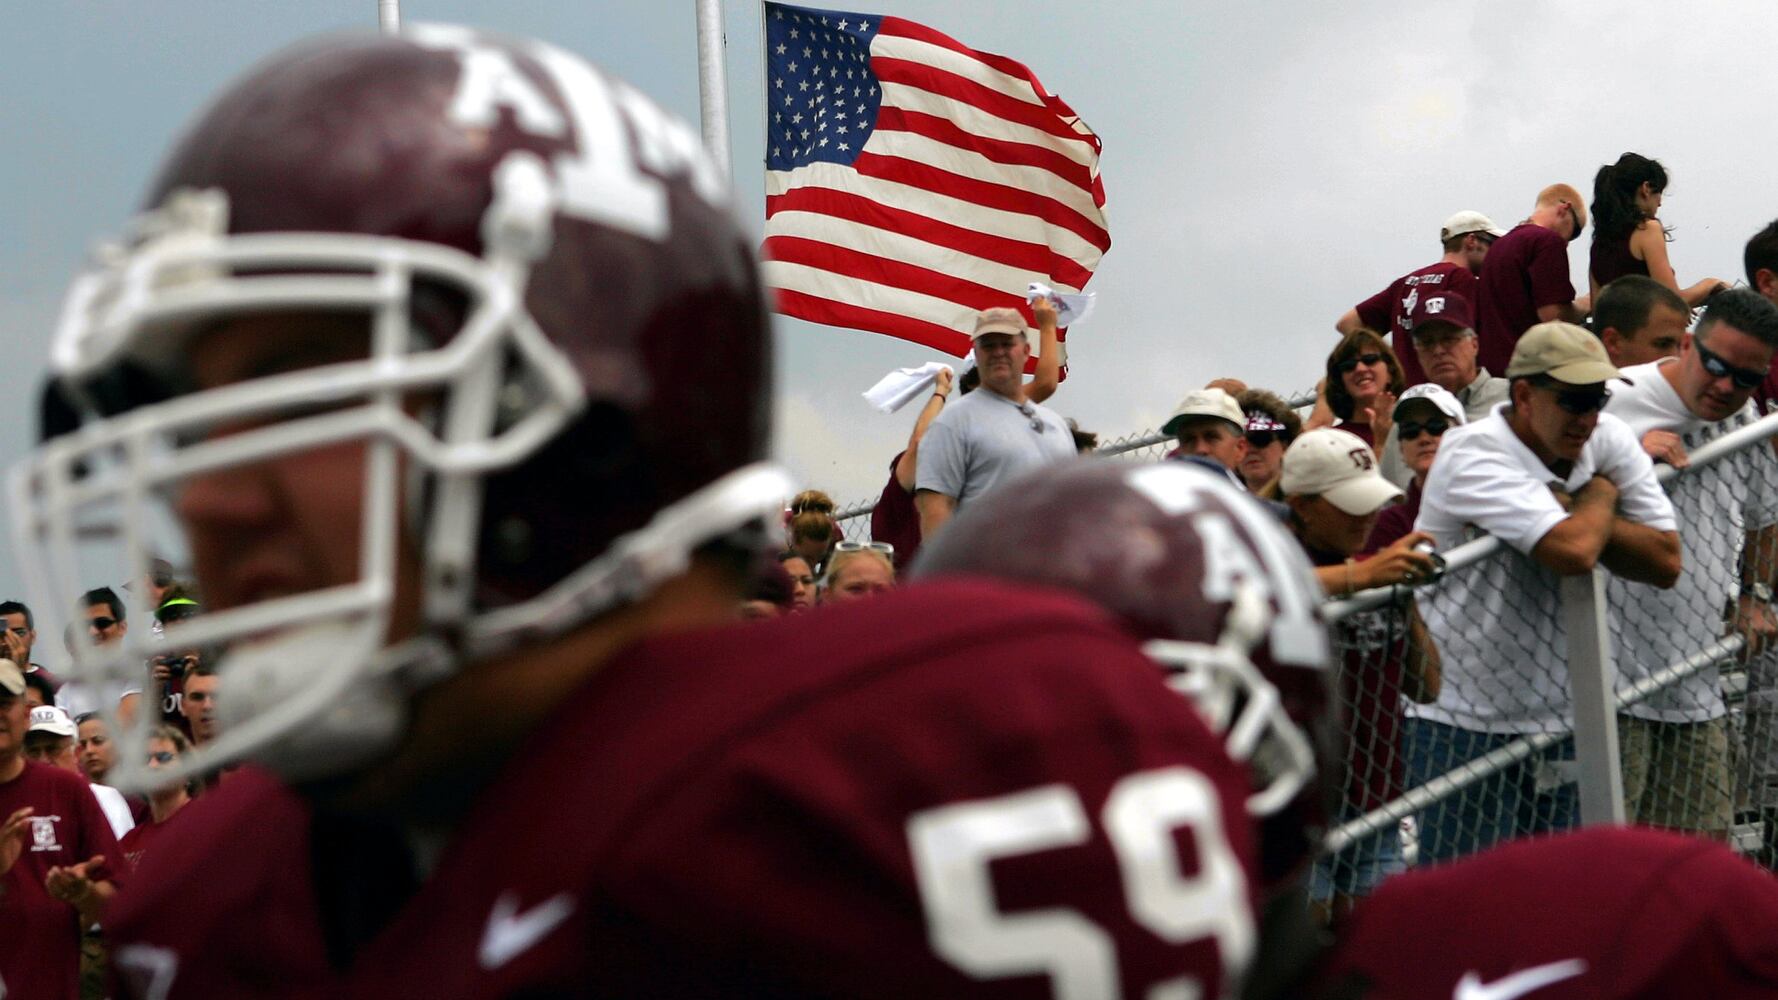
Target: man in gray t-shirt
{"x": 988, "y": 436}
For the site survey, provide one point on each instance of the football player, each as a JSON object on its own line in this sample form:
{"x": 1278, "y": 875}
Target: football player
{"x": 1608, "y": 913}
{"x": 441, "y": 355}
{"x": 1187, "y": 562}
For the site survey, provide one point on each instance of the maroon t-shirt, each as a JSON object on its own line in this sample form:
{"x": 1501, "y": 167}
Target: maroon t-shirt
{"x": 40, "y": 940}
{"x": 1372, "y": 645}
{"x": 1395, "y": 522}
{"x": 1606, "y": 913}
{"x": 135, "y": 844}
{"x": 1388, "y": 310}
{"x": 895, "y": 519}
{"x": 1525, "y": 270}
{"x": 679, "y": 831}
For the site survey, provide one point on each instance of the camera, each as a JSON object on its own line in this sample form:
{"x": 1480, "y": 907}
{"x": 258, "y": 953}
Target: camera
{"x": 1438, "y": 561}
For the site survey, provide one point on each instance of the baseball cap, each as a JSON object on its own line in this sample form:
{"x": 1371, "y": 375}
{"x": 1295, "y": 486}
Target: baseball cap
{"x": 1469, "y": 222}
{"x": 1435, "y": 394}
{"x": 999, "y": 319}
{"x": 1441, "y": 307}
{"x": 1207, "y": 403}
{"x": 1564, "y": 352}
{"x": 52, "y": 720}
{"x": 1338, "y": 465}
{"x": 12, "y": 678}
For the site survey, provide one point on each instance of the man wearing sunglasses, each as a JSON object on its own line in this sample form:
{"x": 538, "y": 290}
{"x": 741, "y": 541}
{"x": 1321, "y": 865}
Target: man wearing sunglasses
{"x": 1466, "y": 238}
{"x": 19, "y": 638}
{"x": 1567, "y": 489}
{"x": 102, "y": 612}
{"x": 1675, "y": 743}
{"x": 1525, "y": 279}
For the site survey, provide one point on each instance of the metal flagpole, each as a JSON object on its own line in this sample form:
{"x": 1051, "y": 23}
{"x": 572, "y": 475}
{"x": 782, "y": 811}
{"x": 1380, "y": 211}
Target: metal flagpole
{"x": 713, "y": 82}
{"x": 389, "y": 16}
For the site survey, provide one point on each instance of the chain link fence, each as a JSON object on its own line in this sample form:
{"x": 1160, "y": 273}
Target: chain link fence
{"x": 1564, "y": 701}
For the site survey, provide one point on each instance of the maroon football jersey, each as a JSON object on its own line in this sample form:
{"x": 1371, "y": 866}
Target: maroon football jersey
{"x": 1608, "y": 913}
{"x": 954, "y": 788}
{"x": 1387, "y": 311}
{"x": 39, "y": 934}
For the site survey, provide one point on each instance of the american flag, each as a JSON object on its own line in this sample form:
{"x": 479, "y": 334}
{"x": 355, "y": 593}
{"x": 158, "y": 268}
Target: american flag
{"x": 912, "y": 181}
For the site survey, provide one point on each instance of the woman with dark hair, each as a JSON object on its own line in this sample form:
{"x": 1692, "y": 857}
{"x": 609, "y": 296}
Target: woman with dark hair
{"x": 1358, "y": 392}
{"x": 1628, "y": 237}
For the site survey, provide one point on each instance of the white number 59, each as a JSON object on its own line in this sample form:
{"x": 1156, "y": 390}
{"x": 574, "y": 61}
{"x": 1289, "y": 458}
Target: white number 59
{"x": 953, "y": 845}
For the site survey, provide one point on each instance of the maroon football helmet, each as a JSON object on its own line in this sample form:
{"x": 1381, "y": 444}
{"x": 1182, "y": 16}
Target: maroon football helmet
{"x": 1211, "y": 581}
{"x": 562, "y": 383}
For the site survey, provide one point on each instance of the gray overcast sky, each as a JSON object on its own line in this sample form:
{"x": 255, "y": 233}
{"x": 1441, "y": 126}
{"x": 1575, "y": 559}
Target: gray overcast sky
{"x": 1267, "y": 165}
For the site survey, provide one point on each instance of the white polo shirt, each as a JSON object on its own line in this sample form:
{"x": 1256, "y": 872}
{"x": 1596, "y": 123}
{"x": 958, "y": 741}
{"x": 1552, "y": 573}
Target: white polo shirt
{"x": 1497, "y": 624}
{"x": 1718, "y": 504}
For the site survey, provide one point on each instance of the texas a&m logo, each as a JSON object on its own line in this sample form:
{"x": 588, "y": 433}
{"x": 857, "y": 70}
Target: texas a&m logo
{"x": 43, "y": 833}
{"x": 1361, "y": 459}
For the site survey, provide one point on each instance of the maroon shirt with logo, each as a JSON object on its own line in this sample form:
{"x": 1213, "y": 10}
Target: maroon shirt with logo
{"x": 1607, "y": 913}
{"x": 40, "y": 940}
{"x": 730, "y": 812}
{"x": 1388, "y": 310}
{"x": 1525, "y": 270}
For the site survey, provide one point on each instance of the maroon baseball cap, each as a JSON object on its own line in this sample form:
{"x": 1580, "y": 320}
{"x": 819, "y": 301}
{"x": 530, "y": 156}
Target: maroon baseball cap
{"x": 1441, "y": 307}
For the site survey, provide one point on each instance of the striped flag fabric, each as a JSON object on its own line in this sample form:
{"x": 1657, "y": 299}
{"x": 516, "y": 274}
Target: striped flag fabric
{"x": 912, "y": 181}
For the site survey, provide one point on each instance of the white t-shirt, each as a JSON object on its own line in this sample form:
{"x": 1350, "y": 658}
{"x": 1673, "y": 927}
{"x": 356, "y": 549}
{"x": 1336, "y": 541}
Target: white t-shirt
{"x": 117, "y": 809}
{"x": 1498, "y": 624}
{"x": 984, "y": 439}
{"x": 78, "y": 698}
{"x": 1651, "y": 628}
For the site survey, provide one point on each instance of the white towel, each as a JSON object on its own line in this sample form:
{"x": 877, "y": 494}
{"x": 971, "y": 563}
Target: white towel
{"x": 903, "y": 385}
{"x": 1070, "y": 309}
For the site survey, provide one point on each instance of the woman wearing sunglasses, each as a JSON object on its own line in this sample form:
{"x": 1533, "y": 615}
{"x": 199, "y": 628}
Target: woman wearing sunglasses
{"x": 1271, "y": 426}
{"x": 165, "y": 747}
{"x": 1422, "y": 417}
{"x": 1358, "y": 392}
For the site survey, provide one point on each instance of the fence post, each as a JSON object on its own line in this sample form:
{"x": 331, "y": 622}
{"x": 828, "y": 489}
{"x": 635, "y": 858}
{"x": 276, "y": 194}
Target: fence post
{"x": 1592, "y": 686}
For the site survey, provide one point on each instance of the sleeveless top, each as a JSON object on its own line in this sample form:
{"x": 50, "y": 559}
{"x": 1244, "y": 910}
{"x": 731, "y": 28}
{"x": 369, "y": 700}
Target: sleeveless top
{"x": 1611, "y": 260}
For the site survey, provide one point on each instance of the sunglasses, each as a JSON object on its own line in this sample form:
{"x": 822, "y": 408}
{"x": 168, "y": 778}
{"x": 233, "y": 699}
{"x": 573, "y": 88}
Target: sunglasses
{"x": 1577, "y": 401}
{"x": 162, "y": 757}
{"x": 1264, "y": 439}
{"x": 1346, "y": 367}
{"x": 1411, "y": 429}
{"x": 1744, "y": 378}
{"x": 100, "y": 623}
{"x": 1573, "y": 220}
{"x": 851, "y": 546}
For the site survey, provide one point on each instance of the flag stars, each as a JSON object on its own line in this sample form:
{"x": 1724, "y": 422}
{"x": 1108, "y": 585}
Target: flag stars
{"x": 796, "y": 119}
{"x": 793, "y": 34}
{"x": 793, "y": 67}
{"x": 844, "y": 147}
{"x": 808, "y": 51}
{"x": 823, "y": 141}
{"x": 778, "y": 83}
{"x": 842, "y": 25}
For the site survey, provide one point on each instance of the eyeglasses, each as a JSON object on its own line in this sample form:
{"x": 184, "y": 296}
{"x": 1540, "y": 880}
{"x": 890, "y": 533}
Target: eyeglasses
{"x": 1573, "y": 220}
{"x": 162, "y": 757}
{"x": 100, "y": 623}
{"x": 851, "y": 546}
{"x": 1411, "y": 429}
{"x": 1576, "y": 401}
{"x": 1744, "y": 378}
{"x": 1264, "y": 439}
{"x": 1346, "y": 367}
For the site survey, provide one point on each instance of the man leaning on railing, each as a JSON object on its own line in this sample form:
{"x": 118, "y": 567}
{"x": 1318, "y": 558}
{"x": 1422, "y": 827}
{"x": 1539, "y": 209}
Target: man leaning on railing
{"x": 1567, "y": 489}
{"x": 1675, "y": 743}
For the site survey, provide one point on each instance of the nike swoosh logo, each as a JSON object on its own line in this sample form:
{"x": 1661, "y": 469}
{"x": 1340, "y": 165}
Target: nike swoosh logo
{"x": 510, "y": 933}
{"x": 1524, "y": 981}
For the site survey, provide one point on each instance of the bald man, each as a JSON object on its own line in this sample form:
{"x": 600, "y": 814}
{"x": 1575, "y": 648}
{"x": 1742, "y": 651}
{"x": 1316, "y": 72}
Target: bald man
{"x": 1524, "y": 279}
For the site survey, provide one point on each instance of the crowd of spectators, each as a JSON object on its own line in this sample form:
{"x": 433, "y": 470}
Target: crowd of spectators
{"x": 1480, "y": 393}
{"x": 1476, "y": 394}
{"x": 70, "y": 837}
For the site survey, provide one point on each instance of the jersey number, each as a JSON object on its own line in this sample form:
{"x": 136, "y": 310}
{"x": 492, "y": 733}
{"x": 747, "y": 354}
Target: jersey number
{"x": 953, "y": 845}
